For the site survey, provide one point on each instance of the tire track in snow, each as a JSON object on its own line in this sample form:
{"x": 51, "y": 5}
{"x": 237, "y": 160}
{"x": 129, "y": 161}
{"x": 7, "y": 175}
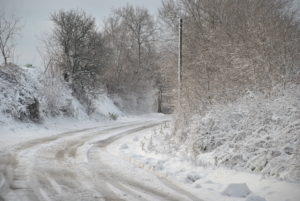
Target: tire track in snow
{"x": 53, "y": 168}
{"x": 16, "y": 162}
{"x": 102, "y": 144}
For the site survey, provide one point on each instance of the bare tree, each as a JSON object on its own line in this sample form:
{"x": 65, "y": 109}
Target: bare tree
{"x": 9, "y": 28}
{"x": 232, "y": 46}
{"x": 140, "y": 24}
{"x": 131, "y": 35}
{"x": 80, "y": 53}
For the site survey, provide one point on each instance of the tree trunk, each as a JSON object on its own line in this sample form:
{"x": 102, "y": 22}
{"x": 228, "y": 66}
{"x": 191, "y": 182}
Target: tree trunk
{"x": 159, "y": 101}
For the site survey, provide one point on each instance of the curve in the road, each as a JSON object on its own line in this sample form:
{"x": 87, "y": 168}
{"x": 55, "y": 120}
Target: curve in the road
{"x": 70, "y": 166}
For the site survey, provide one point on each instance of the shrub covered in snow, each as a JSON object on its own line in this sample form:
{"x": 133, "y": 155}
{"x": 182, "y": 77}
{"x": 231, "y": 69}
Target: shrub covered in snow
{"x": 27, "y": 94}
{"x": 57, "y": 99}
{"x": 255, "y": 133}
{"x": 18, "y": 97}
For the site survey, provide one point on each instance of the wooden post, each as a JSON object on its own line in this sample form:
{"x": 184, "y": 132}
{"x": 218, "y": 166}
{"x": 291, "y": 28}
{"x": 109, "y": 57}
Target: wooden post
{"x": 179, "y": 61}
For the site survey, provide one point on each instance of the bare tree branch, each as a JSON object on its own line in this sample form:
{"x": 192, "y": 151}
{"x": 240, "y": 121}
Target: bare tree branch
{"x": 9, "y": 28}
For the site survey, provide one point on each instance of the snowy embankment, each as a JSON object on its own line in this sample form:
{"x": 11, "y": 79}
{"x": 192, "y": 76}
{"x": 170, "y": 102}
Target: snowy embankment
{"x": 209, "y": 183}
{"x": 29, "y": 100}
{"x": 255, "y": 133}
{"x": 247, "y": 150}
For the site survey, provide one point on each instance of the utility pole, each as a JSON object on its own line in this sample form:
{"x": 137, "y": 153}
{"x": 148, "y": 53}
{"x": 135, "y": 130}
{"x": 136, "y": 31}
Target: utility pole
{"x": 179, "y": 62}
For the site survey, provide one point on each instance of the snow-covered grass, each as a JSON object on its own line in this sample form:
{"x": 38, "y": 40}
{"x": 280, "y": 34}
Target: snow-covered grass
{"x": 209, "y": 183}
{"x": 254, "y": 133}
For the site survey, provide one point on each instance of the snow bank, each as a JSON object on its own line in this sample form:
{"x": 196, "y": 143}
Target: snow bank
{"x": 237, "y": 190}
{"x": 255, "y": 133}
{"x": 29, "y": 95}
{"x": 207, "y": 182}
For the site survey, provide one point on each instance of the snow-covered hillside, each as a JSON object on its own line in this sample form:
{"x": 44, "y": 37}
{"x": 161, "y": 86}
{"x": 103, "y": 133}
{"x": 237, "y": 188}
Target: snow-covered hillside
{"x": 28, "y": 95}
{"x": 255, "y": 133}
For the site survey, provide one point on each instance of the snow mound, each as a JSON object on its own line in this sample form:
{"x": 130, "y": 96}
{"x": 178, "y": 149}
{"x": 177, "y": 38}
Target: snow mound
{"x": 192, "y": 178}
{"x": 253, "y": 197}
{"x": 124, "y": 146}
{"x": 237, "y": 190}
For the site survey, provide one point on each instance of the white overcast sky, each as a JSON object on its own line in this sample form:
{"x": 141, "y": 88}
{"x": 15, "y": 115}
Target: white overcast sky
{"x": 35, "y": 19}
{"x": 36, "y": 24}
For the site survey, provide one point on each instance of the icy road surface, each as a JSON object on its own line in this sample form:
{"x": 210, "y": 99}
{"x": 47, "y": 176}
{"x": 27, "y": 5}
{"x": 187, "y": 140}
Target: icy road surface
{"x": 77, "y": 166}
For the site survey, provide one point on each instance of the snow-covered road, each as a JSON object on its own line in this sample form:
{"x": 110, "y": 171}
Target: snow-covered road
{"x": 110, "y": 161}
{"x": 78, "y": 166}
